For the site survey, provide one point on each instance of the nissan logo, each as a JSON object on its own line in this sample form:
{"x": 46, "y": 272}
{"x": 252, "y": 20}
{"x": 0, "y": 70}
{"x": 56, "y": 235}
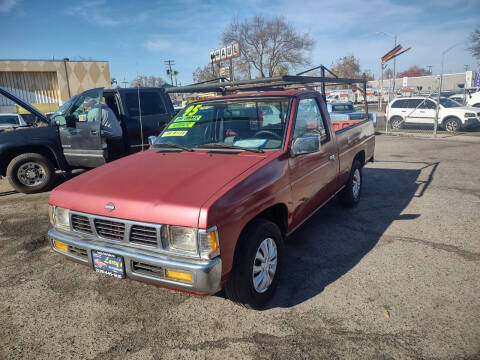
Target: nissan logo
{"x": 110, "y": 207}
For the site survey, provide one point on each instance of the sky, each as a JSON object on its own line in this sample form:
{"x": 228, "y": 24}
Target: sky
{"x": 136, "y": 37}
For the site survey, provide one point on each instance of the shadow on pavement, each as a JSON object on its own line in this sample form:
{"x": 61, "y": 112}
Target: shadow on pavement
{"x": 335, "y": 239}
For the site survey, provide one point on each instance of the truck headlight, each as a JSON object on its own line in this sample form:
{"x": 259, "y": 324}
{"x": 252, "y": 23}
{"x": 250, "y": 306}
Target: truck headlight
{"x": 60, "y": 217}
{"x": 182, "y": 238}
{"x": 469, "y": 115}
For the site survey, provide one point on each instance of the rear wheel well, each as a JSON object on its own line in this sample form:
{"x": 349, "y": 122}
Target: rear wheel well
{"x": 9, "y": 154}
{"x": 360, "y": 157}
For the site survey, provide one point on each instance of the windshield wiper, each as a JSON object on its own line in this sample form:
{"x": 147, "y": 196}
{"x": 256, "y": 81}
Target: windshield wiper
{"x": 227, "y": 146}
{"x": 172, "y": 145}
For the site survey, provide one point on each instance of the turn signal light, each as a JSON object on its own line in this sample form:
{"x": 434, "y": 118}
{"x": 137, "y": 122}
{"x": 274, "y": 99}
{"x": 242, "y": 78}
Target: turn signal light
{"x": 212, "y": 239}
{"x": 60, "y": 246}
{"x": 179, "y": 275}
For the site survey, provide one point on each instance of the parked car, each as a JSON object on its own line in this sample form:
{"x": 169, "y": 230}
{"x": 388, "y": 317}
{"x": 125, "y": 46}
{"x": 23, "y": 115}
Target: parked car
{"x": 420, "y": 110}
{"x": 209, "y": 205}
{"x": 30, "y": 155}
{"x": 473, "y": 98}
{"x": 8, "y": 121}
{"x": 459, "y": 98}
{"x": 346, "y": 111}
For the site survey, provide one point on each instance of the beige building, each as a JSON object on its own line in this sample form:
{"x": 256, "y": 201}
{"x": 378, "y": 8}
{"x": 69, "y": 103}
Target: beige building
{"x": 50, "y": 82}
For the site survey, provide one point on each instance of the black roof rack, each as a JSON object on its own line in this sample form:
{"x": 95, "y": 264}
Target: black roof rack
{"x": 264, "y": 84}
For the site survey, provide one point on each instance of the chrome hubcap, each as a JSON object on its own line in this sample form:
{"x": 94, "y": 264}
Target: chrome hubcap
{"x": 452, "y": 126}
{"x": 395, "y": 124}
{"x": 31, "y": 174}
{"x": 356, "y": 183}
{"x": 264, "y": 265}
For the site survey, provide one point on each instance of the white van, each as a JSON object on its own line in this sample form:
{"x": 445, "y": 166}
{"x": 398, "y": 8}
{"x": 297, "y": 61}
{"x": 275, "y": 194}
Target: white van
{"x": 420, "y": 110}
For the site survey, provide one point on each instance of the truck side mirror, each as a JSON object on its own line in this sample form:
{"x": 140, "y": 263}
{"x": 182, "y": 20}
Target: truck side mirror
{"x": 305, "y": 144}
{"x": 151, "y": 140}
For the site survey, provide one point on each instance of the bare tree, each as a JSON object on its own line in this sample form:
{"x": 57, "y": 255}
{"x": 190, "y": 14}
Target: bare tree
{"x": 204, "y": 74}
{"x": 474, "y": 40}
{"x": 266, "y": 45}
{"x": 147, "y": 81}
{"x": 388, "y": 74}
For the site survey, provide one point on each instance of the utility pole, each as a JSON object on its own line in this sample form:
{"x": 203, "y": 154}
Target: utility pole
{"x": 169, "y": 63}
{"x": 394, "y": 67}
{"x": 124, "y": 82}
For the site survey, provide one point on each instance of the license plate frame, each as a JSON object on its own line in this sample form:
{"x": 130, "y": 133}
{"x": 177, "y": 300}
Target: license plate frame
{"x": 108, "y": 264}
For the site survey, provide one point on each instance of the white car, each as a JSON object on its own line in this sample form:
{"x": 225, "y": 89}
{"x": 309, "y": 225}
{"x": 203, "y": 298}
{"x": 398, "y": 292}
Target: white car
{"x": 11, "y": 120}
{"x": 420, "y": 110}
{"x": 473, "y": 99}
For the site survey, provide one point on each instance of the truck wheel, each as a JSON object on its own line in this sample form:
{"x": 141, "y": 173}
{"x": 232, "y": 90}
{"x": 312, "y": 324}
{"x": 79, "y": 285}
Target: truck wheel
{"x": 452, "y": 124}
{"x": 350, "y": 195}
{"x": 396, "y": 122}
{"x": 30, "y": 173}
{"x": 257, "y": 266}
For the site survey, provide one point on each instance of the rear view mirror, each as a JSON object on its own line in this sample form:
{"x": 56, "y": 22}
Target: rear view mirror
{"x": 151, "y": 140}
{"x": 305, "y": 144}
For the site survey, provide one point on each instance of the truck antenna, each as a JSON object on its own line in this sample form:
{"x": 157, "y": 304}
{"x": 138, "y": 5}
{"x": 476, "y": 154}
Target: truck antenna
{"x": 139, "y": 107}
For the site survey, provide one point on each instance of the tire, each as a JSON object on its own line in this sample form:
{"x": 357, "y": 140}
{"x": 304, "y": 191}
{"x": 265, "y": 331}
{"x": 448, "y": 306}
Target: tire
{"x": 476, "y": 105}
{"x": 396, "y": 123}
{"x": 351, "y": 194}
{"x": 240, "y": 286}
{"x": 31, "y": 173}
{"x": 452, "y": 124}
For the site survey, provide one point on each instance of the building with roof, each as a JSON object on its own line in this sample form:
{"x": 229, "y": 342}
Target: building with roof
{"x": 50, "y": 83}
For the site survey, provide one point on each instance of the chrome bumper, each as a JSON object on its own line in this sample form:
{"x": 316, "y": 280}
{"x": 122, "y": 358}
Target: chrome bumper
{"x": 206, "y": 274}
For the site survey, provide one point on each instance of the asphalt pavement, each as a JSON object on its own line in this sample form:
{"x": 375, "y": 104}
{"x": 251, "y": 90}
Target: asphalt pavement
{"x": 397, "y": 277}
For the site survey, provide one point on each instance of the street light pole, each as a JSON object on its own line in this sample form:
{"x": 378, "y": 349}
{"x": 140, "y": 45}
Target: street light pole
{"x": 394, "y": 59}
{"x": 435, "y": 124}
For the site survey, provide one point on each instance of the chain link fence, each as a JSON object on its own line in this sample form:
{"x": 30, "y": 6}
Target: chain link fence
{"x": 417, "y": 115}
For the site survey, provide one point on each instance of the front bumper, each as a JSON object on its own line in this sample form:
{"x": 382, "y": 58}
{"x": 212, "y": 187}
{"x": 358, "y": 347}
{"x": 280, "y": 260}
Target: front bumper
{"x": 471, "y": 122}
{"x": 206, "y": 274}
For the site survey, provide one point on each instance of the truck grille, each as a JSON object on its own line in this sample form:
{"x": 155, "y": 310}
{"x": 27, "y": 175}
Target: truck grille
{"x": 82, "y": 253}
{"x": 81, "y": 223}
{"x": 110, "y": 229}
{"x": 144, "y": 235}
{"x": 148, "y": 269}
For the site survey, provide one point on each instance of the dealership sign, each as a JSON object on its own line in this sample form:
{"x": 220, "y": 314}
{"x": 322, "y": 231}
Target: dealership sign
{"x": 225, "y": 53}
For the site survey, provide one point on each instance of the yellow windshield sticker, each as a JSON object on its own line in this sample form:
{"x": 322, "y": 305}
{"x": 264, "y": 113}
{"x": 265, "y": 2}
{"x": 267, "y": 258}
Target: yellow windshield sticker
{"x": 177, "y": 125}
{"x": 174, "y": 133}
{"x": 192, "y": 110}
{"x": 188, "y": 118}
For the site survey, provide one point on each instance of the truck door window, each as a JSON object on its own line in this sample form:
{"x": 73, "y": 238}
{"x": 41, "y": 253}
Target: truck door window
{"x": 310, "y": 120}
{"x": 150, "y": 102}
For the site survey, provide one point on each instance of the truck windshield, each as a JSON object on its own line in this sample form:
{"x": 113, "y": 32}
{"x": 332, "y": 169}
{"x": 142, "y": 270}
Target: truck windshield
{"x": 258, "y": 124}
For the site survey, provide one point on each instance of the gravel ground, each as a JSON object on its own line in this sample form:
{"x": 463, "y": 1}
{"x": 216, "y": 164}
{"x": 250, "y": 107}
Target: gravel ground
{"x": 397, "y": 277}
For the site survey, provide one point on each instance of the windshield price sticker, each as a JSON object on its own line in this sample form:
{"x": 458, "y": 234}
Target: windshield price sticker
{"x": 174, "y": 133}
{"x": 188, "y": 118}
{"x": 177, "y": 125}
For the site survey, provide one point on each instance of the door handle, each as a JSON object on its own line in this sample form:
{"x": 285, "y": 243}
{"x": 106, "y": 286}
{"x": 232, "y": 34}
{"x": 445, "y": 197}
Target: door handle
{"x": 331, "y": 157}
{"x": 422, "y": 111}
{"x": 93, "y": 132}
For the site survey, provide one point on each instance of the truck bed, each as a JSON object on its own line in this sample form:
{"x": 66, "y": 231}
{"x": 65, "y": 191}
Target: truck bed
{"x": 352, "y": 137}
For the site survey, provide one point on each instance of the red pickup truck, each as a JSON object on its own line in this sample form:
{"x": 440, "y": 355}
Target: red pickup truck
{"x": 209, "y": 205}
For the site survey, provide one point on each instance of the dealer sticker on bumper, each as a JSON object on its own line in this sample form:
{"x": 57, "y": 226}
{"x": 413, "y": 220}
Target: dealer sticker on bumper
{"x": 108, "y": 264}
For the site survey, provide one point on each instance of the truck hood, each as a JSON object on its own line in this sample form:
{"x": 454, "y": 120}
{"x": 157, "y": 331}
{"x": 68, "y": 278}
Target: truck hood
{"x": 154, "y": 186}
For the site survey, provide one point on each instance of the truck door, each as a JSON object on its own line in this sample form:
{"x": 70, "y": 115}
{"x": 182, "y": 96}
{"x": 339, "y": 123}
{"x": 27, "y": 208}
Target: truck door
{"x": 314, "y": 170}
{"x": 80, "y": 130}
{"x": 146, "y": 113}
